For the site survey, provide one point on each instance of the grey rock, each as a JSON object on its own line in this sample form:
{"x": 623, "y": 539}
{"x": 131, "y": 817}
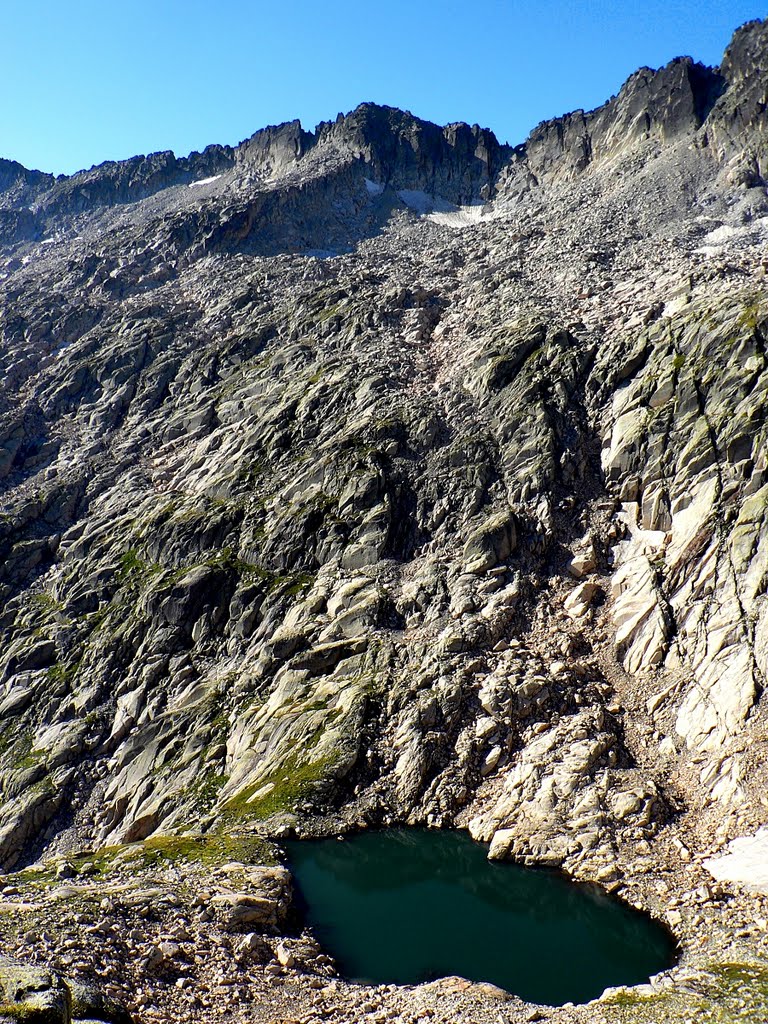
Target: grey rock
{"x": 318, "y": 452}
{"x": 33, "y": 994}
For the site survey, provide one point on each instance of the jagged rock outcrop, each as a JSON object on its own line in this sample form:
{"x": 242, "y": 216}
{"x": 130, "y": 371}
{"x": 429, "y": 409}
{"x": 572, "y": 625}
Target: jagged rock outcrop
{"x": 385, "y": 473}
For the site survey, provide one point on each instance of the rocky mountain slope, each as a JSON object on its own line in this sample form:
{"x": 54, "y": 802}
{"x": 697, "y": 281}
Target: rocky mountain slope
{"x": 389, "y": 474}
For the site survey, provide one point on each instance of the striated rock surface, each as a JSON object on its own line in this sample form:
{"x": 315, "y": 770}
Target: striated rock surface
{"x": 384, "y": 473}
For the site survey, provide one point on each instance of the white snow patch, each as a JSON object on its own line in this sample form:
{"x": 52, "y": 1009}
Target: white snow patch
{"x": 746, "y": 862}
{"x": 463, "y": 216}
{"x": 204, "y": 181}
{"x": 727, "y": 235}
{"x": 47, "y": 241}
{"x": 374, "y": 187}
{"x": 440, "y": 211}
{"x": 722, "y": 234}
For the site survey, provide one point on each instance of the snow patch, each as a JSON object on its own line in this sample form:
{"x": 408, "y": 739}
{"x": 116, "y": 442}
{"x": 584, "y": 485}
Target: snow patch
{"x": 727, "y": 235}
{"x": 204, "y": 181}
{"x": 746, "y": 862}
{"x": 373, "y": 187}
{"x": 463, "y": 216}
{"x": 440, "y": 211}
{"x": 722, "y": 234}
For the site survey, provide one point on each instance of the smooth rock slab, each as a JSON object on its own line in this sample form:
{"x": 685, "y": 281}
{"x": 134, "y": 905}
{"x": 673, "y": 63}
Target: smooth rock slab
{"x": 746, "y": 863}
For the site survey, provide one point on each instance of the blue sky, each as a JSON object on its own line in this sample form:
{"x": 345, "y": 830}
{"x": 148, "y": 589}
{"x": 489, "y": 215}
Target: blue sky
{"x": 90, "y": 80}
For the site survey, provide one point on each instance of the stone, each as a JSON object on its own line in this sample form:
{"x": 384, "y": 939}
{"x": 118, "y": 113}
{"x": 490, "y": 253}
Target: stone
{"x": 578, "y": 602}
{"x": 245, "y": 910}
{"x": 89, "y": 1003}
{"x": 284, "y": 956}
{"x": 745, "y": 863}
{"x": 33, "y": 994}
{"x": 584, "y": 561}
{"x": 492, "y": 542}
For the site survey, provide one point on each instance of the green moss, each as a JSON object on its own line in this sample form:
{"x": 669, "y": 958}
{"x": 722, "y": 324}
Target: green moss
{"x": 751, "y": 315}
{"x": 728, "y": 993}
{"x": 19, "y": 747}
{"x": 533, "y": 355}
{"x": 62, "y": 673}
{"x": 292, "y": 584}
{"x": 133, "y": 570}
{"x": 130, "y": 563}
{"x": 30, "y": 1014}
{"x": 227, "y": 559}
{"x": 208, "y": 850}
{"x": 291, "y": 784}
{"x": 29, "y": 760}
{"x": 629, "y": 1007}
{"x": 207, "y": 789}
{"x": 156, "y": 853}
{"x": 361, "y": 446}
{"x": 99, "y": 620}
{"x": 46, "y": 602}
{"x": 323, "y": 315}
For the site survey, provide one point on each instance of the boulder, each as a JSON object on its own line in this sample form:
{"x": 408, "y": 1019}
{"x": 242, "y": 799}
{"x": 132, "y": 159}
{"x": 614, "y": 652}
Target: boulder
{"x": 88, "y": 1003}
{"x": 492, "y": 542}
{"x": 33, "y": 994}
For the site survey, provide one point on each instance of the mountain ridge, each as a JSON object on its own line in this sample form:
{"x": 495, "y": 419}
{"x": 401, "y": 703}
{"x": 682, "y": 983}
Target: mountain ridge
{"x": 396, "y": 477}
{"x": 141, "y": 176}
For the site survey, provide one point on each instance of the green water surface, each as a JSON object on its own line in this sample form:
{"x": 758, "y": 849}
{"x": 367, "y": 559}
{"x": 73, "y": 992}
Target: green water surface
{"x": 409, "y": 905}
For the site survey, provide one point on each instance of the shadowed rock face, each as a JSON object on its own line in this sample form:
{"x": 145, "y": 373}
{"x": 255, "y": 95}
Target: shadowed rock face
{"x": 739, "y": 122}
{"x": 457, "y": 162}
{"x": 333, "y": 496}
{"x": 662, "y": 105}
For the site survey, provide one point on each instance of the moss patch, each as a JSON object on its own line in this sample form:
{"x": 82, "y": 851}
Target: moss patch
{"x": 30, "y": 1014}
{"x": 157, "y": 852}
{"x": 290, "y": 785}
{"x": 208, "y": 850}
{"x": 728, "y": 993}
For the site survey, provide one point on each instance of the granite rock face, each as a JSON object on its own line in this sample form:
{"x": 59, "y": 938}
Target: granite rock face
{"x": 384, "y": 473}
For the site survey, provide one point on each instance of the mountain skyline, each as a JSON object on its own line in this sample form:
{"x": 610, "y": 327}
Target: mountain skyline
{"x": 181, "y": 80}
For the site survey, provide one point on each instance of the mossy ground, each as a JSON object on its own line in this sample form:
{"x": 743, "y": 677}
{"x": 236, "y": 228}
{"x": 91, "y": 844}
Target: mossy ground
{"x": 290, "y": 785}
{"x": 156, "y": 853}
{"x": 728, "y": 993}
{"x": 207, "y": 850}
{"x": 29, "y": 1014}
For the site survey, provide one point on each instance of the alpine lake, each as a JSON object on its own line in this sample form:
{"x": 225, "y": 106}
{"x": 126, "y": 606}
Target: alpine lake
{"x": 410, "y": 905}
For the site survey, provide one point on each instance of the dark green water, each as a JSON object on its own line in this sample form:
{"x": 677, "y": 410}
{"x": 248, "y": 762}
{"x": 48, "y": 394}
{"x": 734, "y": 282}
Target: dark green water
{"x": 410, "y": 905}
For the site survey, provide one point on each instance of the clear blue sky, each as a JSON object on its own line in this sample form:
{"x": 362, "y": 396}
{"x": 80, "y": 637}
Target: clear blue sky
{"x": 90, "y": 80}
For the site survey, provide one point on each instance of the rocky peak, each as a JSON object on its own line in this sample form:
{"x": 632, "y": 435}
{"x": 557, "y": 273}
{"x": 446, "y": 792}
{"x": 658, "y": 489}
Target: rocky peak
{"x": 745, "y": 54}
{"x": 738, "y": 125}
{"x": 724, "y": 109}
{"x": 662, "y": 105}
{"x": 14, "y": 177}
{"x": 459, "y": 162}
{"x": 274, "y": 149}
{"x": 125, "y": 181}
